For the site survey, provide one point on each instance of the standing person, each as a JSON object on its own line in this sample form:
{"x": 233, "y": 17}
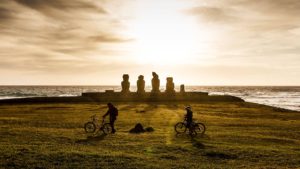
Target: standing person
{"x": 189, "y": 117}
{"x": 113, "y": 113}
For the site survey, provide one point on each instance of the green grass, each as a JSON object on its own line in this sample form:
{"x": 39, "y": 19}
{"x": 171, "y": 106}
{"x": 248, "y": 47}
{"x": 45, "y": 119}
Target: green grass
{"x": 239, "y": 135}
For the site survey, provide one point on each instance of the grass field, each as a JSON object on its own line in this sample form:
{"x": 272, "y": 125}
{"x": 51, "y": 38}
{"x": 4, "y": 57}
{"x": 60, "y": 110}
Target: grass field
{"x": 239, "y": 135}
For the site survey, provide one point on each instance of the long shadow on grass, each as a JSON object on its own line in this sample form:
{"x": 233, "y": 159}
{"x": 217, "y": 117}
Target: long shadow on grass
{"x": 91, "y": 139}
{"x": 212, "y": 152}
{"x": 197, "y": 144}
{"x": 147, "y": 108}
{"x": 194, "y": 140}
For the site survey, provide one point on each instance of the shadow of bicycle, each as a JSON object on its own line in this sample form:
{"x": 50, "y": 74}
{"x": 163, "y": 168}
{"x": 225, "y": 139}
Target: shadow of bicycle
{"x": 91, "y": 139}
{"x": 196, "y": 141}
{"x": 187, "y": 135}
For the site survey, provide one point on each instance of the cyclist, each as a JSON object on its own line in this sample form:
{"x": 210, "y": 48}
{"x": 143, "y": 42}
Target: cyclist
{"x": 189, "y": 117}
{"x": 113, "y": 113}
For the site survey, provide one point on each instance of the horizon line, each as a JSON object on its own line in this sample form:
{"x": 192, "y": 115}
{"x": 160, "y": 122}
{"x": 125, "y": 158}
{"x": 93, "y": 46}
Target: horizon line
{"x": 150, "y": 85}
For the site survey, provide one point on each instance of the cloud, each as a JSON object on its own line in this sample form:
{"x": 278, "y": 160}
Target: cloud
{"x": 48, "y": 35}
{"x": 277, "y": 12}
{"x": 5, "y": 14}
{"x": 109, "y": 39}
{"x": 269, "y": 7}
{"x": 212, "y": 14}
{"x": 261, "y": 29}
{"x": 52, "y": 6}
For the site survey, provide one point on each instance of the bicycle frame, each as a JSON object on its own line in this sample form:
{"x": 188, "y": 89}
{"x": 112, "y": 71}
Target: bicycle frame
{"x": 95, "y": 125}
{"x": 102, "y": 124}
{"x": 94, "y": 119}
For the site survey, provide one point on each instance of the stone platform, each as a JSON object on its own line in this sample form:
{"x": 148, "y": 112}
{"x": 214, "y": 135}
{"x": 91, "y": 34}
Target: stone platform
{"x": 129, "y": 97}
{"x": 111, "y": 96}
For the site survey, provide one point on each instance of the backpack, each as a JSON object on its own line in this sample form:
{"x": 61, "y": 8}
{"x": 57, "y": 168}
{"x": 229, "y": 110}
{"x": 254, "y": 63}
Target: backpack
{"x": 116, "y": 112}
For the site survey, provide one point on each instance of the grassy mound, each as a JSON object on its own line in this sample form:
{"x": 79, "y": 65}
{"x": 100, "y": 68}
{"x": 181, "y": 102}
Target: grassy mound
{"x": 239, "y": 135}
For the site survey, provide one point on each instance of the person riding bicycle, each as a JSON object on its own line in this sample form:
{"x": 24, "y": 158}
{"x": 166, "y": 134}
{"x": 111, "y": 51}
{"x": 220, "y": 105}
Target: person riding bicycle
{"x": 189, "y": 116}
{"x": 113, "y": 113}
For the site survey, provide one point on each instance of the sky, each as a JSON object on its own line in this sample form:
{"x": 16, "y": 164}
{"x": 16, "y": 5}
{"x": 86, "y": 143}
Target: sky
{"x": 197, "y": 42}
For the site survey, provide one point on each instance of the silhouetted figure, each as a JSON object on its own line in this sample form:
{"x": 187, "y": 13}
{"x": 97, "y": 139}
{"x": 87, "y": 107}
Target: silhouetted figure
{"x": 182, "y": 90}
{"x": 189, "y": 116}
{"x": 170, "y": 85}
{"x": 155, "y": 83}
{"x": 140, "y": 85}
{"x": 125, "y": 84}
{"x": 113, "y": 113}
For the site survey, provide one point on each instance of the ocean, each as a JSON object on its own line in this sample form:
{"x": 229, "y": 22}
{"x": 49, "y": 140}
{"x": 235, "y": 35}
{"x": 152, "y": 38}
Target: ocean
{"x": 280, "y": 96}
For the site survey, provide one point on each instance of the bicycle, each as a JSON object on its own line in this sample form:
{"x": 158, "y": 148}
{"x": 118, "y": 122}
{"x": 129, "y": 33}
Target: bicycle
{"x": 93, "y": 125}
{"x": 196, "y": 128}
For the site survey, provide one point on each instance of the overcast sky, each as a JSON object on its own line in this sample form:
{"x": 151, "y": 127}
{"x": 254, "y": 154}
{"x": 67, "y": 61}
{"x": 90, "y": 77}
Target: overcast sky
{"x": 198, "y": 42}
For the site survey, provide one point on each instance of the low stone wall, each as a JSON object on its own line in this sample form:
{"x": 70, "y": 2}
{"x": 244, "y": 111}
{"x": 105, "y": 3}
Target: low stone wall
{"x": 129, "y": 97}
{"x": 160, "y": 97}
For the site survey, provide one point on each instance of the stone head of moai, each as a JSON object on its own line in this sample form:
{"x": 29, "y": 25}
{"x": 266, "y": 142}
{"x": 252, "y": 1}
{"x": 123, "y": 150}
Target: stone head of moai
{"x": 125, "y": 77}
{"x": 170, "y": 87}
{"x": 141, "y": 77}
{"x": 155, "y": 75}
{"x": 140, "y": 84}
{"x": 182, "y": 90}
{"x": 125, "y": 84}
{"x": 155, "y": 83}
{"x": 169, "y": 79}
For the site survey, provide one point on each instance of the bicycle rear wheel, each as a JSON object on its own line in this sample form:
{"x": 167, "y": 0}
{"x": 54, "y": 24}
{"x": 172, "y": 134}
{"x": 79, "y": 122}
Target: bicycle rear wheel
{"x": 106, "y": 128}
{"x": 89, "y": 127}
{"x": 199, "y": 128}
{"x": 180, "y": 127}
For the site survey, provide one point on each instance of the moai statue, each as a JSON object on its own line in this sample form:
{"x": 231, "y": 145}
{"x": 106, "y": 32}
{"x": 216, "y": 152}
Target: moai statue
{"x": 125, "y": 84}
{"x": 170, "y": 85}
{"x": 182, "y": 90}
{"x": 140, "y": 85}
{"x": 155, "y": 83}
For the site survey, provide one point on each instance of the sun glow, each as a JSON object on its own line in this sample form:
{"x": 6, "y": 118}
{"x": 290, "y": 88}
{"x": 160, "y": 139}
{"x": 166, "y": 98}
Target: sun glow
{"x": 165, "y": 35}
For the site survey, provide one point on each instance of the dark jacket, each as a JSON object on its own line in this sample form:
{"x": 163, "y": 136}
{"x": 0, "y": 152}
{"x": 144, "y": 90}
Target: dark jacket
{"x": 189, "y": 115}
{"x": 112, "y": 112}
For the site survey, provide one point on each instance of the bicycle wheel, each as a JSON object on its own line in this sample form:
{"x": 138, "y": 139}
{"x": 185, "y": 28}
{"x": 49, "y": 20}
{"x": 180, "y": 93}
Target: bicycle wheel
{"x": 89, "y": 127}
{"x": 199, "y": 128}
{"x": 106, "y": 128}
{"x": 180, "y": 127}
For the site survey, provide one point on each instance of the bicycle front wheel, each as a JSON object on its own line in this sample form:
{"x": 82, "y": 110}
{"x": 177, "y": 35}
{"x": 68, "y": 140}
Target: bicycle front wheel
{"x": 180, "y": 127}
{"x": 106, "y": 128}
{"x": 199, "y": 128}
{"x": 89, "y": 127}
